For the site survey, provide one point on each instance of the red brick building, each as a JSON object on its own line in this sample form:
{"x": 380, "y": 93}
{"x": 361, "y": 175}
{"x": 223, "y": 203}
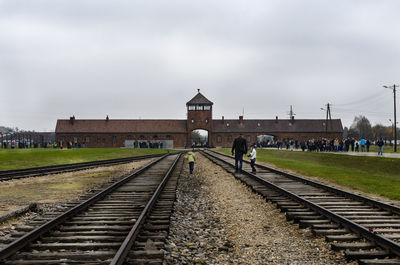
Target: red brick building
{"x": 177, "y": 133}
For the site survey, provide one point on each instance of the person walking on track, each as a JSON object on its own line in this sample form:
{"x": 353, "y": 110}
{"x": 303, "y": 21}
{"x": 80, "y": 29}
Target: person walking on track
{"x": 253, "y": 155}
{"x": 239, "y": 148}
{"x": 190, "y": 158}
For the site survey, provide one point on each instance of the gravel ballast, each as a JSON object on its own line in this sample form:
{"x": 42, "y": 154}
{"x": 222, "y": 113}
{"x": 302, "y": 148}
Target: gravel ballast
{"x": 218, "y": 220}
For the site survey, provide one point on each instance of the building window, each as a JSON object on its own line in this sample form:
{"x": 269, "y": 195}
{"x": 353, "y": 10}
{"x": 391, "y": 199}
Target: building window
{"x": 219, "y": 139}
{"x": 230, "y": 138}
{"x": 98, "y": 139}
{"x": 63, "y": 139}
{"x": 168, "y": 136}
{"x": 129, "y": 137}
{"x": 141, "y": 136}
{"x": 104, "y": 140}
{"x": 206, "y": 120}
{"x": 75, "y": 140}
{"x": 114, "y": 139}
{"x": 155, "y": 136}
{"x": 258, "y": 124}
{"x": 227, "y": 125}
{"x": 198, "y": 107}
{"x": 248, "y": 138}
{"x": 323, "y": 124}
{"x": 290, "y": 124}
{"x": 192, "y": 120}
{"x": 207, "y": 107}
{"x": 87, "y": 139}
{"x": 192, "y": 107}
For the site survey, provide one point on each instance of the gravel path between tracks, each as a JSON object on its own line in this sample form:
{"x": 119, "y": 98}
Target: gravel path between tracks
{"x": 218, "y": 220}
{"x": 54, "y": 189}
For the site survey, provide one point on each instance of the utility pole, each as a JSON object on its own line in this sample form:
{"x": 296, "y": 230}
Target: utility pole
{"x": 328, "y": 114}
{"x": 394, "y": 110}
{"x": 291, "y": 113}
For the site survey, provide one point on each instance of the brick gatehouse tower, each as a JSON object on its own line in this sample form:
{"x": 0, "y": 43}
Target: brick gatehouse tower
{"x": 199, "y": 116}
{"x": 177, "y": 133}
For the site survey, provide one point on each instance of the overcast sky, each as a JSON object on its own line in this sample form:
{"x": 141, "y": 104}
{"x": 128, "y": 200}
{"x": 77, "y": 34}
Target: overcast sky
{"x": 146, "y": 59}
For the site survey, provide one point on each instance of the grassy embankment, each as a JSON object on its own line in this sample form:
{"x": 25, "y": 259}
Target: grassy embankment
{"x": 376, "y": 175}
{"x": 26, "y": 158}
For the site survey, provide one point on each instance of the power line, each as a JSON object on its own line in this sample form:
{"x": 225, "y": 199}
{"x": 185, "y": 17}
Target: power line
{"x": 362, "y": 100}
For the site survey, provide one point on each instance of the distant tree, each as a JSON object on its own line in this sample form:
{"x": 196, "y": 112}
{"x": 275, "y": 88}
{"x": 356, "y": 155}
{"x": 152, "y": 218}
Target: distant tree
{"x": 4, "y": 129}
{"x": 345, "y": 132}
{"x": 379, "y": 131}
{"x": 196, "y": 136}
{"x": 361, "y": 127}
{"x": 353, "y": 133}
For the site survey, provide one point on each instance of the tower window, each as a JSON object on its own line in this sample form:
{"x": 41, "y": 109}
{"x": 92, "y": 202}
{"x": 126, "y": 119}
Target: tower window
{"x": 198, "y": 107}
{"x": 207, "y": 107}
{"x": 192, "y": 120}
{"x": 192, "y": 107}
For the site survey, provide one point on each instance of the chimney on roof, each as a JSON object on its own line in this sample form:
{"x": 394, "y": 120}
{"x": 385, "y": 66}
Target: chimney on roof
{"x": 240, "y": 119}
{"x": 223, "y": 119}
{"x": 107, "y": 118}
{"x": 276, "y": 119}
{"x": 72, "y": 119}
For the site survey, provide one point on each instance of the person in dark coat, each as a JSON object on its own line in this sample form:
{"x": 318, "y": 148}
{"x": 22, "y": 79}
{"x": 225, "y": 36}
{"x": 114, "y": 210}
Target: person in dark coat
{"x": 239, "y": 148}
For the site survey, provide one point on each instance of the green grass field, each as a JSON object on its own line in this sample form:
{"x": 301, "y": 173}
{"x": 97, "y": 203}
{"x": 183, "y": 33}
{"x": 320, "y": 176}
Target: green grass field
{"x": 26, "y": 158}
{"x": 386, "y": 149}
{"x": 376, "y": 175}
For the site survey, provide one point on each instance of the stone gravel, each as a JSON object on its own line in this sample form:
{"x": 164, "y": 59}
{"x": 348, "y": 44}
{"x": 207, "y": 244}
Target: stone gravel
{"x": 218, "y": 220}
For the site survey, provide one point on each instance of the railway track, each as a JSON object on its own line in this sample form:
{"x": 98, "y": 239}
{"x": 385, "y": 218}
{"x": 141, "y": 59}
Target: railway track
{"x": 365, "y": 229}
{"x": 38, "y": 171}
{"x": 126, "y": 223}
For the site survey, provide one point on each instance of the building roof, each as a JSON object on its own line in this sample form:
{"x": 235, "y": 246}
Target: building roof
{"x": 121, "y": 126}
{"x": 271, "y": 126}
{"x": 199, "y": 99}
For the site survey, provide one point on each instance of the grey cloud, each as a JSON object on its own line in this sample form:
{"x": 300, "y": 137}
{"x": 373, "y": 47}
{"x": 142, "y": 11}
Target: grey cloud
{"x": 145, "y": 59}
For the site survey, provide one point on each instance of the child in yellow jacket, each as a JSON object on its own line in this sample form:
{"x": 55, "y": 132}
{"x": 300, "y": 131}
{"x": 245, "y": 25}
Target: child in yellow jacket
{"x": 190, "y": 158}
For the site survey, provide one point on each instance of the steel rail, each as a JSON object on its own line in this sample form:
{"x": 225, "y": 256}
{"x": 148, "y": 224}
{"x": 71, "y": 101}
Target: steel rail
{"x": 18, "y": 173}
{"x": 380, "y": 241}
{"x": 34, "y": 234}
{"x": 126, "y": 246}
{"x": 375, "y": 203}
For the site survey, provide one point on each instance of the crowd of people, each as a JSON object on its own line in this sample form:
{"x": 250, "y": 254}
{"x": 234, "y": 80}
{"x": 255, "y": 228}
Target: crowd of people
{"x": 13, "y": 144}
{"x": 331, "y": 145}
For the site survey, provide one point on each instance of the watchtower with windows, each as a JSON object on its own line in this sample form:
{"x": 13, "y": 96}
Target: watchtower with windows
{"x": 199, "y": 116}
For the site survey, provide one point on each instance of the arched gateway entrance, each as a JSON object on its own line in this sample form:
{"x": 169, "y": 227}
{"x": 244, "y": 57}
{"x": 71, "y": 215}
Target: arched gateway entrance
{"x": 199, "y": 138}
